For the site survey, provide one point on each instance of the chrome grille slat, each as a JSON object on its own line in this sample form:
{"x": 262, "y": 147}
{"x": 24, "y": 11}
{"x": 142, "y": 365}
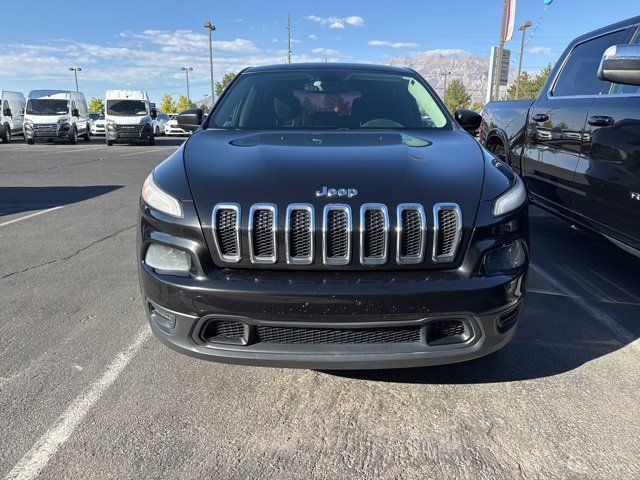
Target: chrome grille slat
{"x": 299, "y": 230}
{"x": 447, "y": 232}
{"x": 225, "y": 220}
{"x": 374, "y": 234}
{"x": 412, "y": 233}
{"x": 336, "y": 234}
{"x": 262, "y": 233}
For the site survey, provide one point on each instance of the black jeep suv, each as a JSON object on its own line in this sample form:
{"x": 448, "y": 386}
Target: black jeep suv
{"x": 332, "y": 216}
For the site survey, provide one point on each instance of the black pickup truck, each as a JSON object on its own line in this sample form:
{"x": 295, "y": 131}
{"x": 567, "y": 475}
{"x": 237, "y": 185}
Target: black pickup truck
{"x": 577, "y": 146}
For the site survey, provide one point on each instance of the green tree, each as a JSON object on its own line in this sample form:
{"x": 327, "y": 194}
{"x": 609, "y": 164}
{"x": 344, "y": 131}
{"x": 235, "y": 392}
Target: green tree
{"x": 203, "y": 107}
{"x": 456, "y": 96}
{"x": 183, "y": 104}
{"x": 96, "y": 105}
{"x": 226, "y": 80}
{"x": 528, "y": 86}
{"x": 167, "y": 105}
{"x": 477, "y": 106}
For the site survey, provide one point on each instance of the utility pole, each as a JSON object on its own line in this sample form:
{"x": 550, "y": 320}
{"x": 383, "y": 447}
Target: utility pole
{"x": 289, "y": 37}
{"x": 498, "y": 60}
{"x": 522, "y": 28}
{"x": 186, "y": 71}
{"x": 205, "y": 103}
{"x": 75, "y": 71}
{"x": 211, "y": 27}
{"x": 445, "y": 75}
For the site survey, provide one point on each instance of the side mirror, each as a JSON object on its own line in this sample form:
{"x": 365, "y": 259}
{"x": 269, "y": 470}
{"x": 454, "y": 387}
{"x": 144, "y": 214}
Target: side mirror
{"x": 190, "y": 120}
{"x": 75, "y": 112}
{"x": 468, "y": 119}
{"x": 7, "y": 112}
{"x": 154, "y": 113}
{"x": 22, "y": 112}
{"x": 621, "y": 64}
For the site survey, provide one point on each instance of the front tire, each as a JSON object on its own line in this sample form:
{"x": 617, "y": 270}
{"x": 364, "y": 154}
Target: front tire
{"x": 73, "y": 136}
{"x": 109, "y": 143}
{"x": 87, "y": 134}
{"x": 30, "y": 141}
{"x": 152, "y": 141}
{"x": 6, "y": 134}
{"x": 157, "y": 132}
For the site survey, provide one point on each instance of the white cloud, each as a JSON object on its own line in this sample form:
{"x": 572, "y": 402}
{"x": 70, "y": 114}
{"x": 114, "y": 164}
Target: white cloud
{"x": 540, "y": 51}
{"x": 312, "y": 37}
{"x": 190, "y": 41}
{"x": 337, "y": 22}
{"x": 448, "y": 52}
{"x": 397, "y": 45}
{"x": 327, "y": 52}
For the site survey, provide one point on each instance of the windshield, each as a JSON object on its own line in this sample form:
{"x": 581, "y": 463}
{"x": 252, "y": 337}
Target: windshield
{"x": 328, "y": 99}
{"x": 95, "y": 116}
{"x": 37, "y": 106}
{"x": 127, "y": 108}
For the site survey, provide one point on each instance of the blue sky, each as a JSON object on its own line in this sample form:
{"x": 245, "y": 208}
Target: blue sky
{"x": 142, "y": 45}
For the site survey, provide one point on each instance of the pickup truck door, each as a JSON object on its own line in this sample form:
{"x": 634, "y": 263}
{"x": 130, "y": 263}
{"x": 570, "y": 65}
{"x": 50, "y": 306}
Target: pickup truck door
{"x": 556, "y": 125}
{"x": 609, "y": 175}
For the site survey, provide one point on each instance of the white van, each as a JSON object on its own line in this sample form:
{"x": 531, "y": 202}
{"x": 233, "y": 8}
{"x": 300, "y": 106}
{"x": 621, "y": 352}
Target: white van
{"x": 52, "y": 114}
{"x": 129, "y": 116}
{"x": 11, "y": 114}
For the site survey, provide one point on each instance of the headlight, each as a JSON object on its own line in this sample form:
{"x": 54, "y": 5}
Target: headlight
{"x": 505, "y": 260}
{"x": 160, "y": 200}
{"x": 167, "y": 260}
{"x": 62, "y": 121}
{"x": 511, "y": 199}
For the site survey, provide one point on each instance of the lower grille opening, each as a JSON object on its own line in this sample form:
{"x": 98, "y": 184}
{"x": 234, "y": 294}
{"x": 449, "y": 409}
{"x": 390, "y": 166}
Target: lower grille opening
{"x": 405, "y": 334}
{"x": 445, "y": 332}
{"x": 508, "y": 320}
{"x": 224, "y": 331}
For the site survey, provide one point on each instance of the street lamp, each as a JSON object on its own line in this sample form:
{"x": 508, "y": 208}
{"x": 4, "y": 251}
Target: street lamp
{"x": 186, "y": 71}
{"x": 211, "y": 27}
{"x": 445, "y": 75}
{"x": 75, "y": 71}
{"x": 206, "y": 105}
{"x": 523, "y": 29}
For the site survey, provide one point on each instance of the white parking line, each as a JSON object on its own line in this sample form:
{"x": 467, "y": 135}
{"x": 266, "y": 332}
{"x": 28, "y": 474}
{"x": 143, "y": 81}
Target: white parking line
{"x": 145, "y": 151}
{"x": 36, "y": 458}
{"x": 605, "y": 319}
{"x": 31, "y": 215}
{"x": 53, "y": 152}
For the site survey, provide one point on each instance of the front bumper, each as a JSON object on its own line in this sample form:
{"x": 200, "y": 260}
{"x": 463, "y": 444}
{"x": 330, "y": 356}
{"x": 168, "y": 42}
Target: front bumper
{"x": 333, "y": 302}
{"x": 176, "y": 131}
{"x": 129, "y": 133}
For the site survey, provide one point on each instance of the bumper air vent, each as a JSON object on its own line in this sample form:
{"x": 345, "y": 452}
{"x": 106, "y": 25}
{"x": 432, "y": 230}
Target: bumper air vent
{"x": 268, "y": 334}
{"x": 445, "y": 332}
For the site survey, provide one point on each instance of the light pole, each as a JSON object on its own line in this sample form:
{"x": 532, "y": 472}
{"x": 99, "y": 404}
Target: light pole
{"x": 205, "y": 103}
{"x": 75, "y": 71}
{"x": 523, "y": 28}
{"x": 211, "y": 27}
{"x": 445, "y": 75}
{"x": 186, "y": 71}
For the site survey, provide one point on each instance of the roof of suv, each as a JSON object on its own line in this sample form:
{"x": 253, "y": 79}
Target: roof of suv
{"x": 328, "y": 66}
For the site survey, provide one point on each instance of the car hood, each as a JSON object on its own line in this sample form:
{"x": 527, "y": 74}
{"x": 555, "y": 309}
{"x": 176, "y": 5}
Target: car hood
{"x": 289, "y": 167}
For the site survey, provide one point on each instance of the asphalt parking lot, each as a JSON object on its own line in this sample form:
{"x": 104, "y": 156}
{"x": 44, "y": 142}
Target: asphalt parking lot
{"x": 87, "y": 392}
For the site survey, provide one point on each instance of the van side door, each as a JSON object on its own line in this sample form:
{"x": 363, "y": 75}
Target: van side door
{"x": 608, "y": 177}
{"x": 556, "y": 125}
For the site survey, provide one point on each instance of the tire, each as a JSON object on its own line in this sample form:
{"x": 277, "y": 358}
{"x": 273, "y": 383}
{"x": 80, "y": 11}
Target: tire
{"x": 87, "y": 134}
{"x": 152, "y": 141}
{"x": 30, "y": 141}
{"x": 73, "y": 136}
{"x": 109, "y": 143}
{"x": 157, "y": 132}
{"x": 6, "y": 134}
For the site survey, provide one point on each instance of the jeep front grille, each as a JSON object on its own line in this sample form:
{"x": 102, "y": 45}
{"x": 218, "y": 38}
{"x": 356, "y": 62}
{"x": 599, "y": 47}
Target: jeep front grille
{"x": 447, "y": 231}
{"x": 374, "y": 243}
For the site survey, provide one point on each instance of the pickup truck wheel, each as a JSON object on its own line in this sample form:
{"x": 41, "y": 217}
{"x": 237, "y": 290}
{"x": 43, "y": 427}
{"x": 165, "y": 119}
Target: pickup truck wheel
{"x": 6, "y": 134}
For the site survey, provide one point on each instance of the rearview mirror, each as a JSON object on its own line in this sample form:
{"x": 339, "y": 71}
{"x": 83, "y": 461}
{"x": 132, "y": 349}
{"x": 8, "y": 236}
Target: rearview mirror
{"x": 468, "y": 119}
{"x": 621, "y": 64}
{"x": 190, "y": 120}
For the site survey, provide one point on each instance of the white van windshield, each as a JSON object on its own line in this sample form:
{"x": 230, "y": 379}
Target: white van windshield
{"x": 127, "y": 108}
{"x": 38, "y": 106}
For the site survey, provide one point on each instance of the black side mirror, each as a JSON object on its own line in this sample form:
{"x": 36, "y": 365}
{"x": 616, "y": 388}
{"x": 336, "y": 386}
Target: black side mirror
{"x": 468, "y": 119}
{"x": 22, "y": 112}
{"x": 621, "y": 64}
{"x": 190, "y": 120}
{"x": 154, "y": 113}
{"x": 75, "y": 112}
{"x": 7, "y": 112}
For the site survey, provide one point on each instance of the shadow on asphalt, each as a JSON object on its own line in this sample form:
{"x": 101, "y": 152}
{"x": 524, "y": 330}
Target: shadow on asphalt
{"x": 555, "y": 335}
{"x": 27, "y": 199}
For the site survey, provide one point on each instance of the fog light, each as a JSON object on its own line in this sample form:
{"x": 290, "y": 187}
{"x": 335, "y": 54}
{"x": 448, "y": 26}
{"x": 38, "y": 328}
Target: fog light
{"x": 506, "y": 259}
{"x": 167, "y": 260}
